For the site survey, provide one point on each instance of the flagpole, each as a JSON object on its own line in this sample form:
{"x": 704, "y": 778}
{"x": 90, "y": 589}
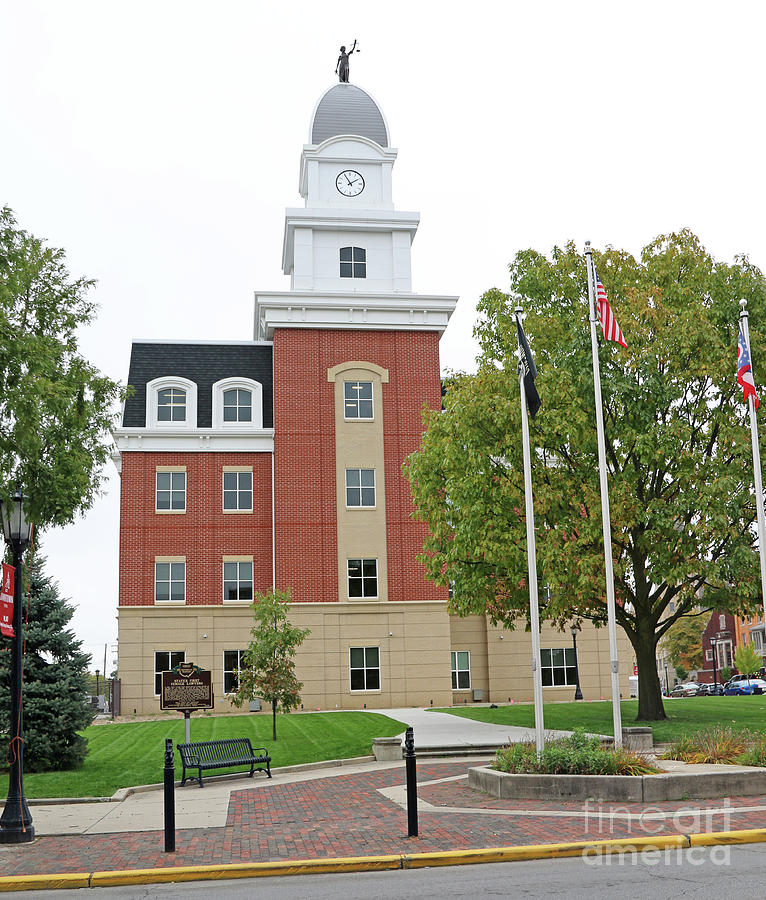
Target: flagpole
{"x": 534, "y": 606}
{"x": 744, "y": 324}
{"x": 614, "y": 663}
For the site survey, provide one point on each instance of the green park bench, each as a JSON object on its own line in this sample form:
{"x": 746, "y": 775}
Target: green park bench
{"x": 222, "y": 754}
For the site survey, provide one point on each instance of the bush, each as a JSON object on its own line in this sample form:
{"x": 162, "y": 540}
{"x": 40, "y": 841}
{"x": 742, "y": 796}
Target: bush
{"x": 755, "y": 755}
{"x": 720, "y": 745}
{"x": 578, "y": 754}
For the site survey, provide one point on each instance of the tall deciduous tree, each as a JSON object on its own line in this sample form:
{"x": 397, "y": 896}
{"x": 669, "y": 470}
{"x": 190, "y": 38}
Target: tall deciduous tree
{"x": 56, "y": 702}
{"x": 677, "y": 448}
{"x": 55, "y": 408}
{"x": 268, "y": 664}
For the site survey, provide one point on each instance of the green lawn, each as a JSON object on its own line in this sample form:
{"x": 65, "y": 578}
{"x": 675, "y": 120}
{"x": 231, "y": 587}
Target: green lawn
{"x": 132, "y": 753}
{"x": 685, "y": 715}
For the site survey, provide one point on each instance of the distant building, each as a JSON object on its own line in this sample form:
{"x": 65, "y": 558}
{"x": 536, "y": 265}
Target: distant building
{"x": 277, "y": 461}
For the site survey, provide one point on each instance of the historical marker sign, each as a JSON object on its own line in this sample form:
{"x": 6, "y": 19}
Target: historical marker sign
{"x": 187, "y": 687}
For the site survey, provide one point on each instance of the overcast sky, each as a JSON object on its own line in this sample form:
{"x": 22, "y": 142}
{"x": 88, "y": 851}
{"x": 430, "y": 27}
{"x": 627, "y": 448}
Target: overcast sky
{"x": 159, "y": 143}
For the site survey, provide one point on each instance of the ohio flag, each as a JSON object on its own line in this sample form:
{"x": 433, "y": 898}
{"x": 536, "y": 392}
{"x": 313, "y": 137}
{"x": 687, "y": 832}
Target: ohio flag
{"x": 745, "y": 369}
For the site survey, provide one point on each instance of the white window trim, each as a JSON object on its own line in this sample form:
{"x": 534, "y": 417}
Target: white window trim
{"x": 245, "y": 384}
{"x": 168, "y": 381}
{"x": 372, "y": 399}
{"x": 154, "y": 676}
{"x": 363, "y": 599}
{"x": 567, "y": 684}
{"x": 457, "y": 670}
{"x": 171, "y": 470}
{"x": 237, "y": 559}
{"x": 240, "y": 653}
{"x": 366, "y": 690}
{"x": 238, "y": 470}
{"x": 374, "y": 486}
{"x": 169, "y": 559}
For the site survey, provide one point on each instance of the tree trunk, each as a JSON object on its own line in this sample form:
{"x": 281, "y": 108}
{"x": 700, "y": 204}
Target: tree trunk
{"x": 274, "y": 704}
{"x": 650, "y": 706}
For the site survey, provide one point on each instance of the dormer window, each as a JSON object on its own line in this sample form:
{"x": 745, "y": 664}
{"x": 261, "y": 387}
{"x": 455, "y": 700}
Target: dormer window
{"x": 353, "y": 262}
{"x": 171, "y": 405}
{"x": 237, "y": 405}
{"x": 171, "y": 402}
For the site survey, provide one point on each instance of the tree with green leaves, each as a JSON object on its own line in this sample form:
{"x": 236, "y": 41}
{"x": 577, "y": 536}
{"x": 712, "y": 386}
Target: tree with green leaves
{"x": 677, "y": 447}
{"x": 268, "y": 664}
{"x": 683, "y": 642}
{"x": 748, "y": 660}
{"x": 56, "y": 409}
{"x": 56, "y": 702}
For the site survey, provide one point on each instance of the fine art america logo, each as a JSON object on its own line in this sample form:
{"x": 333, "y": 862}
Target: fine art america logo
{"x": 654, "y": 836}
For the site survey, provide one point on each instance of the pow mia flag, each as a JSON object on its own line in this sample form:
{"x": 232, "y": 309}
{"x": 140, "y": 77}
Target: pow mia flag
{"x": 529, "y": 369}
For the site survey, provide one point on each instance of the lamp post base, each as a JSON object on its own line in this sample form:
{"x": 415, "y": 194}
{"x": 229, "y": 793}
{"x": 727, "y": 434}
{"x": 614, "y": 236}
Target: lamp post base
{"x": 16, "y": 823}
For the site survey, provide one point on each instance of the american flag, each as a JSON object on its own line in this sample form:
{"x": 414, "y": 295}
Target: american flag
{"x": 606, "y": 317}
{"x": 745, "y": 369}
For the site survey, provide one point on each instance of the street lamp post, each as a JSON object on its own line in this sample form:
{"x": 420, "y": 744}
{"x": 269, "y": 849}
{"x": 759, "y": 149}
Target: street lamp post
{"x": 578, "y": 692}
{"x": 16, "y": 821}
{"x": 667, "y": 683}
{"x": 713, "y": 643}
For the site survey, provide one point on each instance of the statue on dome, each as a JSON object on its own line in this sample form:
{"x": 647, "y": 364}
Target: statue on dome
{"x": 341, "y": 67}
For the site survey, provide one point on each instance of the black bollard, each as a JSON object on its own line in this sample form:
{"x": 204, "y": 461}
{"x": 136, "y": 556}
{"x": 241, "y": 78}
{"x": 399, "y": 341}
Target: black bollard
{"x": 170, "y": 799}
{"x": 412, "y": 783}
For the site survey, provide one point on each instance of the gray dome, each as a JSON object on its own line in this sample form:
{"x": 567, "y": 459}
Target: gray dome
{"x": 347, "y": 109}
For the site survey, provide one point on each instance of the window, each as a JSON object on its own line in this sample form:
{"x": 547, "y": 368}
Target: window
{"x": 757, "y": 640}
{"x": 237, "y": 580}
{"x": 237, "y": 405}
{"x": 461, "y": 670}
{"x": 238, "y": 491}
{"x": 171, "y": 492}
{"x": 164, "y": 661}
{"x": 558, "y": 667}
{"x": 232, "y": 663}
{"x": 353, "y": 262}
{"x": 364, "y": 664}
{"x": 363, "y": 578}
{"x": 357, "y": 396}
{"x": 169, "y": 581}
{"x": 722, "y": 622}
{"x": 360, "y": 487}
{"x": 709, "y": 655}
{"x": 171, "y": 405}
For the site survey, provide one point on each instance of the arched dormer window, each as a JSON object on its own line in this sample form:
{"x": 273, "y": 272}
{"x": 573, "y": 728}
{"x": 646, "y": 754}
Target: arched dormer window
{"x": 353, "y": 262}
{"x": 171, "y": 402}
{"x": 237, "y": 403}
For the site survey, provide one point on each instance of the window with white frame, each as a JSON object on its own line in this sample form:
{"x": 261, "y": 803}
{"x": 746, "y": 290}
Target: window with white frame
{"x": 164, "y": 661}
{"x": 353, "y": 262}
{"x": 362, "y": 578}
{"x": 169, "y": 581}
{"x": 757, "y": 640}
{"x": 360, "y": 487}
{"x": 364, "y": 666}
{"x": 170, "y": 493}
{"x": 722, "y": 622}
{"x": 232, "y": 663}
{"x": 237, "y": 580}
{"x": 357, "y": 397}
{"x": 238, "y": 490}
{"x": 558, "y": 667}
{"x": 237, "y": 405}
{"x": 171, "y": 402}
{"x": 461, "y": 670}
{"x": 709, "y": 655}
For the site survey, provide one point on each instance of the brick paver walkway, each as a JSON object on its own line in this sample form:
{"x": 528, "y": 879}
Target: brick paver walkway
{"x": 346, "y": 815}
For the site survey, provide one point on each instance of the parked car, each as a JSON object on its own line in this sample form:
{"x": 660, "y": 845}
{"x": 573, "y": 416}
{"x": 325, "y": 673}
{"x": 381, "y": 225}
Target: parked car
{"x": 743, "y": 686}
{"x": 710, "y": 690}
{"x": 685, "y": 690}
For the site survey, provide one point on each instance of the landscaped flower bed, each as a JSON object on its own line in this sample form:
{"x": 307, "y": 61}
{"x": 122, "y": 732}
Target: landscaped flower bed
{"x": 721, "y": 744}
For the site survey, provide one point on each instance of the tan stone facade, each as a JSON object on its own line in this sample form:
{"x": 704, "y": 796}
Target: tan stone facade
{"x": 414, "y": 641}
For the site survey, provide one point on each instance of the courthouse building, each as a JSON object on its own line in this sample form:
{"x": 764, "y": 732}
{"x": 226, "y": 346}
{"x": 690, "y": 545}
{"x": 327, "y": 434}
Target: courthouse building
{"x": 277, "y": 460}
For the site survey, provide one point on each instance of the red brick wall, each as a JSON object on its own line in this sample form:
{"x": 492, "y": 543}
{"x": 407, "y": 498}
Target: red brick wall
{"x": 304, "y": 420}
{"x": 204, "y": 535}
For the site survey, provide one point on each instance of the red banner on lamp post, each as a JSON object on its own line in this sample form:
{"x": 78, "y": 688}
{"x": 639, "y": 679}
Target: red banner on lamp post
{"x": 6, "y": 601}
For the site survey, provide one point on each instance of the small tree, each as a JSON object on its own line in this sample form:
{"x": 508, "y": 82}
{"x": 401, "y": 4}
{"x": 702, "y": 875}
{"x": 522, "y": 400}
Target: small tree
{"x": 268, "y": 666}
{"x": 681, "y": 673}
{"x": 725, "y": 673}
{"x": 56, "y": 706}
{"x": 683, "y": 643}
{"x": 747, "y": 660}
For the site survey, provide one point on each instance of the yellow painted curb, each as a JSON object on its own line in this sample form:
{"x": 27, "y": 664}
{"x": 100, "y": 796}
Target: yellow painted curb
{"x": 590, "y": 849}
{"x": 746, "y": 836}
{"x": 246, "y": 870}
{"x": 44, "y": 882}
{"x": 540, "y": 851}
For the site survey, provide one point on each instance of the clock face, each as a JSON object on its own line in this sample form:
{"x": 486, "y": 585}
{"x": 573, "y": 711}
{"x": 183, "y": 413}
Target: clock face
{"x": 350, "y": 183}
